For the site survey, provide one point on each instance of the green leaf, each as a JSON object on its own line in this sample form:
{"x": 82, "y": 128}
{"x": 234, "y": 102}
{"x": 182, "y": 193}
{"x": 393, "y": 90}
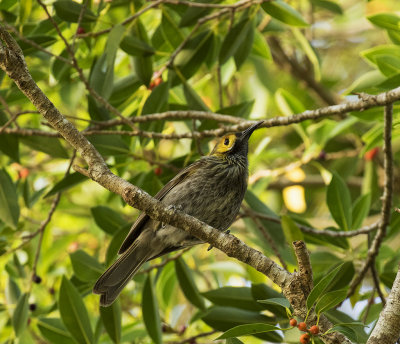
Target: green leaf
{"x": 330, "y": 300}
{"x": 48, "y": 145}
{"x": 309, "y": 52}
{"x": 386, "y": 21}
{"x": 248, "y": 329}
{"x": 73, "y": 313}
{"x": 8, "y": 143}
{"x": 71, "y": 10}
{"x": 54, "y": 331}
{"x": 244, "y": 49}
{"x": 239, "y": 297}
{"x": 86, "y": 268}
{"x": 143, "y": 64}
{"x": 151, "y": 317}
{"x": 234, "y": 39}
{"x": 193, "y": 99}
{"x": 364, "y": 82}
{"x": 9, "y": 208}
{"x": 370, "y": 55}
{"x": 187, "y": 283}
{"x": 285, "y": 13}
{"x": 102, "y": 76}
{"x": 123, "y": 89}
{"x": 224, "y": 318}
{"x": 388, "y": 65}
{"x": 107, "y": 219}
{"x": 339, "y": 202}
{"x": 42, "y": 40}
{"x": 233, "y": 341}
{"x": 66, "y": 183}
{"x": 291, "y": 230}
{"x": 348, "y": 332}
{"x": 20, "y": 315}
{"x": 136, "y": 47}
{"x": 158, "y": 99}
{"x": 170, "y": 30}
{"x": 195, "y": 52}
{"x": 277, "y": 301}
{"x": 109, "y": 145}
{"x": 111, "y": 318}
{"x": 328, "y": 5}
{"x": 274, "y": 229}
{"x": 322, "y": 285}
{"x": 360, "y": 210}
{"x": 261, "y": 47}
{"x": 113, "y": 41}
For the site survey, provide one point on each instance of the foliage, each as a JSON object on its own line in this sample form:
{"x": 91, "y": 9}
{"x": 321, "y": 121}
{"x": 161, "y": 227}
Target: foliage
{"x": 248, "y": 61}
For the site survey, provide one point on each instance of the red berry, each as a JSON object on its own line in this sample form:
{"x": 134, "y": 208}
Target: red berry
{"x": 304, "y": 338}
{"x": 302, "y": 326}
{"x": 80, "y": 30}
{"x": 23, "y": 173}
{"x": 158, "y": 171}
{"x": 314, "y": 329}
{"x": 371, "y": 154}
{"x": 155, "y": 82}
{"x": 293, "y": 322}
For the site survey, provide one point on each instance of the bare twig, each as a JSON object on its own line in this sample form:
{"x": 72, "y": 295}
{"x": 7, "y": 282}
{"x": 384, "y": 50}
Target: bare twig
{"x": 386, "y": 199}
{"x": 265, "y": 234}
{"x": 375, "y": 278}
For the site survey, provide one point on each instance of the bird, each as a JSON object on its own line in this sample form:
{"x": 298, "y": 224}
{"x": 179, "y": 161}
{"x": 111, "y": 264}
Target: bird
{"x": 210, "y": 189}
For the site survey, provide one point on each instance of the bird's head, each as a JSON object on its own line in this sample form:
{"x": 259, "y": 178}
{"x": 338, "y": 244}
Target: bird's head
{"x": 234, "y": 144}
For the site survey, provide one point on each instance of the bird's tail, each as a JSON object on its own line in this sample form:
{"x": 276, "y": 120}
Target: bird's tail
{"x": 117, "y": 276}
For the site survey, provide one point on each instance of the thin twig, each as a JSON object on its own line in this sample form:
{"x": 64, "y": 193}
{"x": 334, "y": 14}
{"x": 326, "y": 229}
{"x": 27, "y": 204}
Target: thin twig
{"x": 193, "y": 338}
{"x": 386, "y": 199}
{"x": 363, "y": 230}
{"x": 44, "y": 224}
{"x": 266, "y": 235}
{"x": 375, "y": 278}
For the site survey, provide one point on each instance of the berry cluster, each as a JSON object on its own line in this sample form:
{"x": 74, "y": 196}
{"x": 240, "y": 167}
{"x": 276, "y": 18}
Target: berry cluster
{"x": 302, "y": 326}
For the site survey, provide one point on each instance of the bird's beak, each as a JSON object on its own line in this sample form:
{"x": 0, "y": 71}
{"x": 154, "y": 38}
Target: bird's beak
{"x": 247, "y": 133}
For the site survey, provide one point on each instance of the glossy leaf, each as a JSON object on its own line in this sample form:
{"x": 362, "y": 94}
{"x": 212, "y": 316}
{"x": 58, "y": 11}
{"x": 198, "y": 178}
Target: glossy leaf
{"x": 66, "y": 183}
{"x": 102, "y": 76}
{"x": 187, "y": 283}
{"x": 385, "y": 20}
{"x": 170, "y": 30}
{"x": 224, "y": 318}
{"x": 43, "y": 40}
{"x": 151, "y": 316}
{"x": 107, "y": 219}
{"x": 50, "y": 146}
{"x": 338, "y": 200}
{"x": 193, "y": 99}
{"x": 328, "y": 5}
{"x": 9, "y": 207}
{"x": 136, "y": 47}
{"x": 277, "y": 301}
{"x": 73, "y": 313}
{"x": 322, "y": 285}
{"x": 71, "y": 10}
{"x": 248, "y": 329}
{"x": 291, "y": 230}
{"x": 239, "y": 297}
{"x": 20, "y": 315}
{"x": 360, "y": 210}
{"x": 109, "y": 144}
{"x": 124, "y": 89}
{"x": 111, "y": 318}
{"x": 285, "y": 13}
{"x": 234, "y": 39}
{"x": 86, "y": 268}
{"x": 330, "y": 300}
{"x": 54, "y": 331}
{"x": 261, "y": 47}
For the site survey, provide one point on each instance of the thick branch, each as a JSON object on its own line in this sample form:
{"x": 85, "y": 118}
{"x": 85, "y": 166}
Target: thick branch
{"x": 387, "y": 329}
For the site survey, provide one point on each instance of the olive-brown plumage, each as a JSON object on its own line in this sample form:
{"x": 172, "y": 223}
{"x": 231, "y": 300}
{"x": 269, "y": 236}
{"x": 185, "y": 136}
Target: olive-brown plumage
{"x": 211, "y": 189}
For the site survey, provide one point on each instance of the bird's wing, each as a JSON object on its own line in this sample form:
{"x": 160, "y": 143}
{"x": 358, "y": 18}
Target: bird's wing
{"x": 137, "y": 227}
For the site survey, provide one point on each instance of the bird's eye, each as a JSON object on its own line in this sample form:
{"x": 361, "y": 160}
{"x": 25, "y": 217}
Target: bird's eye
{"x": 226, "y": 142}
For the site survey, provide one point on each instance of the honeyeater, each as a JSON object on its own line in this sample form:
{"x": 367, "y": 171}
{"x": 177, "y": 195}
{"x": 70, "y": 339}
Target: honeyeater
{"x": 211, "y": 189}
